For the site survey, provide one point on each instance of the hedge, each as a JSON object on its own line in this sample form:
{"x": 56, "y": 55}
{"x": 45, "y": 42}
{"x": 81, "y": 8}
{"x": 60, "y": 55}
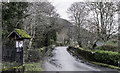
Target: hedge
{"x": 107, "y": 57}
{"x": 86, "y": 54}
{"x": 108, "y": 48}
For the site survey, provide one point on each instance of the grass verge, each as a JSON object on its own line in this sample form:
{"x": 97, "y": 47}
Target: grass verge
{"x": 10, "y": 66}
{"x": 106, "y": 65}
{"x": 33, "y": 66}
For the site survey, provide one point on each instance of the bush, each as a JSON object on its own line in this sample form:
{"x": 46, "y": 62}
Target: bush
{"x": 86, "y": 54}
{"x": 107, "y": 57}
{"x": 112, "y": 42}
{"x": 59, "y": 43}
{"x": 107, "y": 48}
{"x": 33, "y": 55}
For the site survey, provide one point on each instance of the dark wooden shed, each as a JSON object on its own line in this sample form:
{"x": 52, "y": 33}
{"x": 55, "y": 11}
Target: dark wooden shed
{"x": 19, "y": 35}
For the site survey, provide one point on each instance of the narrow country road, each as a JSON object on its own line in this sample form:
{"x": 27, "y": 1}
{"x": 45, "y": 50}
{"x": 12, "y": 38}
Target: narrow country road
{"x": 63, "y": 61}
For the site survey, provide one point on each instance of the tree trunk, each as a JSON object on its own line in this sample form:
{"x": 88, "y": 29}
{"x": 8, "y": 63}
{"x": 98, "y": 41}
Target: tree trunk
{"x": 30, "y": 43}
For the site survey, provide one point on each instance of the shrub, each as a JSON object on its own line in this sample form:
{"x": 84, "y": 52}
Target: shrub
{"x": 86, "y": 54}
{"x": 107, "y": 57}
{"x": 33, "y": 55}
{"x": 107, "y": 48}
{"x": 59, "y": 43}
{"x": 112, "y": 42}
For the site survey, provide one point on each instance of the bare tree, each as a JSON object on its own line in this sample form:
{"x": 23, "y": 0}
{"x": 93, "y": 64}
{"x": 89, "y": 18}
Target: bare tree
{"x": 38, "y": 20}
{"x": 104, "y": 19}
{"x": 78, "y": 13}
{"x": 99, "y": 18}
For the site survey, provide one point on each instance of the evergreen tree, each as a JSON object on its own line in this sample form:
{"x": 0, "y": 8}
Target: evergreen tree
{"x": 13, "y": 14}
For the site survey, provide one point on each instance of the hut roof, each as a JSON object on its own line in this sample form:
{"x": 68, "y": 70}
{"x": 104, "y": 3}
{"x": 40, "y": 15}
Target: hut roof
{"x": 21, "y": 34}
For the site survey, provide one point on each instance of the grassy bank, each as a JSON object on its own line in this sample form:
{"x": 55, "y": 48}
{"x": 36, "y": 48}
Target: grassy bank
{"x": 106, "y": 65}
{"x": 30, "y": 66}
{"x": 10, "y": 66}
{"x": 33, "y": 66}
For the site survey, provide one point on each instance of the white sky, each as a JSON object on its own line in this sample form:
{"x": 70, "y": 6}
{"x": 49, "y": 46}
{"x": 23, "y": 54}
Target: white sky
{"x": 62, "y": 6}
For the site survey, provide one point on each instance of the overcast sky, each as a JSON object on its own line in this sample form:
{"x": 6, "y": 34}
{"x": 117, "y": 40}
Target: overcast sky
{"x": 62, "y": 6}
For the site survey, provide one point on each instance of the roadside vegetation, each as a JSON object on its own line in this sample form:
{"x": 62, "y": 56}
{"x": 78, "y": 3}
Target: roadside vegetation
{"x": 99, "y": 57}
{"x": 33, "y": 66}
{"x": 11, "y": 66}
{"x": 34, "y": 58}
{"x": 104, "y": 55}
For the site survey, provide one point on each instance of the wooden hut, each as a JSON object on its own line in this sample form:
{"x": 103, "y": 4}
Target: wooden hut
{"x": 19, "y": 35}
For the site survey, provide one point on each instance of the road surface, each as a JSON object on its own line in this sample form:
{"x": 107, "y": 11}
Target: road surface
{"x": 64, "y": 61}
